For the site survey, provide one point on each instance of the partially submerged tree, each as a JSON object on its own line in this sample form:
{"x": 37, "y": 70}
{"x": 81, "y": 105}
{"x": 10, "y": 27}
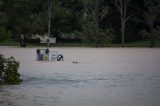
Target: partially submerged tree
{"x": 122, "y": 7}
{"x": 9, "y": 71}
{"x": 152, "y": 11}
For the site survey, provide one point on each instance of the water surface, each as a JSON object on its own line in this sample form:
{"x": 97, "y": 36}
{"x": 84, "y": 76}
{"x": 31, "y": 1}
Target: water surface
{"x": 103, "y": 77}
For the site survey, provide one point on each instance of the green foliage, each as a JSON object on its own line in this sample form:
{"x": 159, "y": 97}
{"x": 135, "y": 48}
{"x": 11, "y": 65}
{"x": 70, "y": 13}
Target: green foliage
{"x": 102, "y": 36}
{"x": 66, "y": 16}
{"x": 144, "y": 34}
{"x": 94, "y": 12}
{"x": 157, "y": 30}
{"x": 74, "y": 35}
{"x": 9, "y": 71}
{"x": 89, "y": 18}
{"x": 3, "y": 16}
{"x": 4, "y": 34}
{"x": 9, "y": 42}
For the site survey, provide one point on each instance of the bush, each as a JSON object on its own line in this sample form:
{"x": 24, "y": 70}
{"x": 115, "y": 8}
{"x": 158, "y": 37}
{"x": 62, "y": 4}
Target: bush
{"x": 33, "y": 41}
{"x": 145, "y": 35}
{"x": 157, "y": 30}
{"x": 99, "y": 36}
{"x": 67, "y": 40}
{"x": 9, "y": 71}
{"x": 4, "y": 34}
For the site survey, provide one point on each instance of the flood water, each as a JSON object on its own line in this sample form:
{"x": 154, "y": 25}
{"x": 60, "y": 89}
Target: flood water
{"x": 102, "y": 77}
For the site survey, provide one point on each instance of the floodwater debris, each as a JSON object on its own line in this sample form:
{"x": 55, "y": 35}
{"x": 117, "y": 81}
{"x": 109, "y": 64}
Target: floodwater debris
{"x": 75, "y": 62}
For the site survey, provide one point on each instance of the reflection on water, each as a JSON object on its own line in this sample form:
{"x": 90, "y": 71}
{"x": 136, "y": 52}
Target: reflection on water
{"x": 133, "y": 80}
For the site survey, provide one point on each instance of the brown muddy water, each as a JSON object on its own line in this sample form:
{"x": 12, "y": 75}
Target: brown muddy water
{"x": 102, "y": 77}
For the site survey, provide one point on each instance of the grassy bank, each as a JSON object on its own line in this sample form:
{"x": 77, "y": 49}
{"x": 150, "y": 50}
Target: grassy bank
{"x": 140, "y": 43}
{"x": 9, "y": 43}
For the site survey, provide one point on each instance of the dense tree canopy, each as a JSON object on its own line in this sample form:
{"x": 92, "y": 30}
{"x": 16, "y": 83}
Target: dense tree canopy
{"x": 93, "y": 20}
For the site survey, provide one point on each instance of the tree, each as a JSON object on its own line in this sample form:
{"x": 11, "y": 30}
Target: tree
{"x": 3, "y": 18}
{"x": 94, "y": 12}
{"x": 66, "y": 16}
{"x": 4, "y": 34}
{"x": 152, "y": 11}
{"x": 122, "y": 7}
{"x": 26, "y": 17}
{"x": 49, "y": 17}
{"x": 9, "y": 71}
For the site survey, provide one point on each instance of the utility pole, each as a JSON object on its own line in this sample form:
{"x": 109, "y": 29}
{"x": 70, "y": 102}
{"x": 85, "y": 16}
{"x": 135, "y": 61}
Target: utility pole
{"x": 49, "y": 18}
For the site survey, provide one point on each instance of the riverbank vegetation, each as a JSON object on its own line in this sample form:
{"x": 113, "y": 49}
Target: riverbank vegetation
{"x": 137, "y": 43}
{"x": 9, "y": 71}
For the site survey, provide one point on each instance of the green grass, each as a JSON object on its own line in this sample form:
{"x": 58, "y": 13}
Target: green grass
{"x": 139, "y": 43}
{"x": 83, "y": 44}
{"x": 142, "y": 43}
{"x": 9, "y": 43}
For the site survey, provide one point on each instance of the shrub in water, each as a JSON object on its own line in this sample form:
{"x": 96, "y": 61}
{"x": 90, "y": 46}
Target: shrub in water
{"x": 9, "y": 71}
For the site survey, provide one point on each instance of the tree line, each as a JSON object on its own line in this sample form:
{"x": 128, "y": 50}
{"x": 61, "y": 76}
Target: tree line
{"x": 96, "y": 21}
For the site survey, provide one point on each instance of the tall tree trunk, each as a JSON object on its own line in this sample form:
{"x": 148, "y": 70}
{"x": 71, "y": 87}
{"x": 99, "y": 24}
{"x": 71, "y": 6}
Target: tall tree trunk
{"x": 152, "y": 36}
{"x": 153, "y": 10}
{"x": 97, "y": 21}
{"x": 123, "y": 35}
{"x": 85, "y": 2}
{"x": 49, "y": 18}
{"x": 122, "y": 8}
{"x": 97, "y": 14}
{"x": 123, "y": 16}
